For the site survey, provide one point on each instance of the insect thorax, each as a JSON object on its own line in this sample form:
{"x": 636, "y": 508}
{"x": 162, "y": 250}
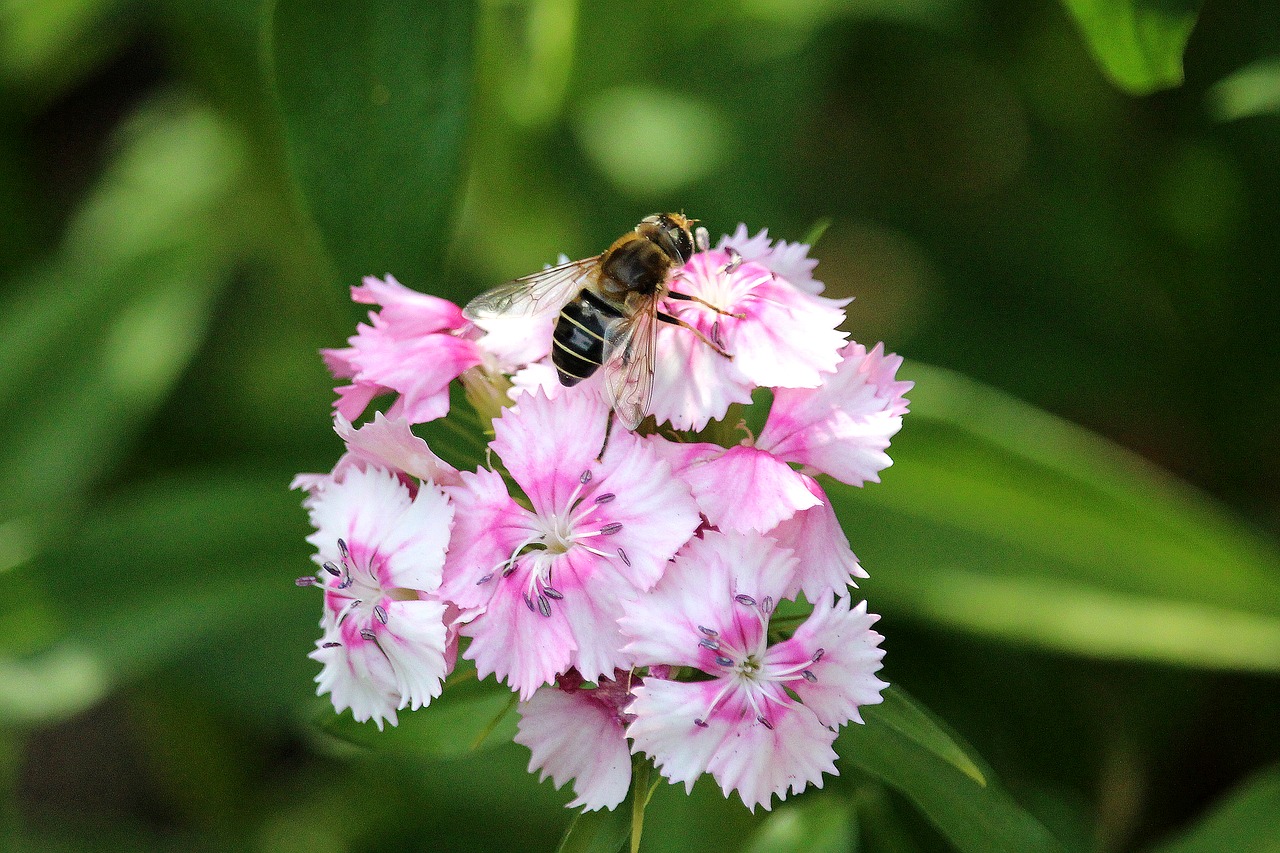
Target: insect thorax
{"x": 636, "y": 266}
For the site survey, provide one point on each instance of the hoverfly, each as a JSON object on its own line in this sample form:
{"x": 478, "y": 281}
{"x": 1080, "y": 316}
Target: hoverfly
{"x": 608, "y": 308}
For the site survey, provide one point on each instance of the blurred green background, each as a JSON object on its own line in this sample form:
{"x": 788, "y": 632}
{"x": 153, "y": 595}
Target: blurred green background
{"x": 1074, "y": 552}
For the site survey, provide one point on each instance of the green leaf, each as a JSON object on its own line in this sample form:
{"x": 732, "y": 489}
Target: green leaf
{"x": 1000, "y": 519}
{"x": 1138, "y": 43}
{"x": 815, "y": 824}
{"x": 600, "y": 831}
{"x": 178, "y": 566}
{"x": 1243, "y": 822}
{"x": 467, "y": 717}
{"x": 374, "y": 98}
{"x": 904, "y": 747}
{"x": 1252, "y": 91}
{"x": 100, "y": 335}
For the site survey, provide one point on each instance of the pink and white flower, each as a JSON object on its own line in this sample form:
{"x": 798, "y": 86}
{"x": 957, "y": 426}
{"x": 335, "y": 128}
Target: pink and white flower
{"x": 842, "y": 427}
{"x": 381, "y": 551}
{"x": 778, "y": 336}
{"x": 414, "y": 347}
{"x": 576, "y": 731}
{"x": 744, "y": 725}
{"x": 547, "y": 581}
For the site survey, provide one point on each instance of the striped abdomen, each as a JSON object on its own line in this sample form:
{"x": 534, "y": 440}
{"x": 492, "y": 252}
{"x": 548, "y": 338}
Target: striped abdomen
{"x": 578, "y": 347}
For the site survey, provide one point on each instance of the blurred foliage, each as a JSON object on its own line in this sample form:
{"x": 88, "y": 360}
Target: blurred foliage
{"x": 1075, "y": 551}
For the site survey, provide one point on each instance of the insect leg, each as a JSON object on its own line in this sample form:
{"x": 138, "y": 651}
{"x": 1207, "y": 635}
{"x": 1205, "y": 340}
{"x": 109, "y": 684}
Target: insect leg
{"x": 671, "y": 294}
{"x": 676, "y": 321}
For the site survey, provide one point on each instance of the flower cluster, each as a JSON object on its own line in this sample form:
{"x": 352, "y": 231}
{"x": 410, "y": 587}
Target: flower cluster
{"x": 651, "y": 593}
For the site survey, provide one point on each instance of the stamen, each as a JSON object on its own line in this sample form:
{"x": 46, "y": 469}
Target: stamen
{"x": 544, "y": 606}
{"x": 735, "y": 261}
{"x": 585, "y": 477}
{"x": 702, "y": 724}
{"x": 529, "y": 601}
{"x": 367, "y": 634}
{"x": 767, "y": 604}
{"x": 380, "y": 612}
{"x": 554, "y": 594}
{"x": 709, "y": 644}
{"x": 330, "y": 645}
{"x": 751, "y": 437}
{"x": 764, "y": 722}
{"x": 610, "y": 529}
{"x": 724, "y": 661}
{"x": 809, "y": 676}
{"x": 743, "y": 598}
{"x": 625, "y": 559}
{"x": 485, "y": 579}
{"x": 709, "y": 632}
{"x": 605, "y": 498}
{"x": 332, "y": 569}
{"x": 508, "y": 571}
{"x": 307, "y": 580}
{"x": 817, "y": 656}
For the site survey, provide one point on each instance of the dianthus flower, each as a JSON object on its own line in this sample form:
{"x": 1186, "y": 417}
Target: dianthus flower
{"x": 381, "y": 551}
{"x": 622, "y": 583}
{"x": 414, "y": 347}
{"x": 764, "y": 722}
{"x": 549, "y": 579}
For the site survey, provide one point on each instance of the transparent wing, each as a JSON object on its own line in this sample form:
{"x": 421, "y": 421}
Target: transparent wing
{"x": 629, "y": 370}
{"x": 534, "y": 293}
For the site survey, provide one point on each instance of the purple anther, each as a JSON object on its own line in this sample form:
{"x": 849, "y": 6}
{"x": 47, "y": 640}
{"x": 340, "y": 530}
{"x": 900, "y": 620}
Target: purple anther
{"x": 605, "y": 498}
{"x": 743, "y": 598}
{"x": 552, "y": 593}
{"x": 625, "y": 559}
{"x": 544, "y": 606}
{"x": 380, "y": 612}
{"x": 809, "y": 676}
{"x": 610, "y": 529}
{"x": 366, "y": 634}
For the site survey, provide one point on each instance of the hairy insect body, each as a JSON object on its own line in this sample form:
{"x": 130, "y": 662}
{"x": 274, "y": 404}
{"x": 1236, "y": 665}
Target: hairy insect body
{"x": 608, "y": 309}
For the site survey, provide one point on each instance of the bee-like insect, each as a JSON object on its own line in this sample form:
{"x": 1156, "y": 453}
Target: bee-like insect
{"x": 609, "y": 308}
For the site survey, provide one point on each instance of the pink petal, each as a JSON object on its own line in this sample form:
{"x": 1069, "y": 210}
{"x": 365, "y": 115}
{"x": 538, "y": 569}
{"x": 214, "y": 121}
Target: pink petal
{"x": 664, "y": 727}
{"x": 489, "y": 528}
{"x": 389, "y": 443}
{"x": 761, "y": 761}
{"x": 843, "y": 427}
{"x": 654, "y": 508}
{"x": 741, "y": 488}
{"x": 573, "y": 736}
{"x": 547, "y": 446}
{"x": 699, "y": 591}
{"x": 372, "y": 511}
{"x": 844, "y": 676}
{"x": 358, "y": 677}
{"x": 518, "y": 644}
{"x": 825, "y": 562}
{"x": 790, "y": 261}
{"x": 410, "y": 312}
{"x": 413, "y": 641}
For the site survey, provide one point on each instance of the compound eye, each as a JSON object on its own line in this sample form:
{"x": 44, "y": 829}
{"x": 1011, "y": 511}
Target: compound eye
{"x": 680, "y": 239}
